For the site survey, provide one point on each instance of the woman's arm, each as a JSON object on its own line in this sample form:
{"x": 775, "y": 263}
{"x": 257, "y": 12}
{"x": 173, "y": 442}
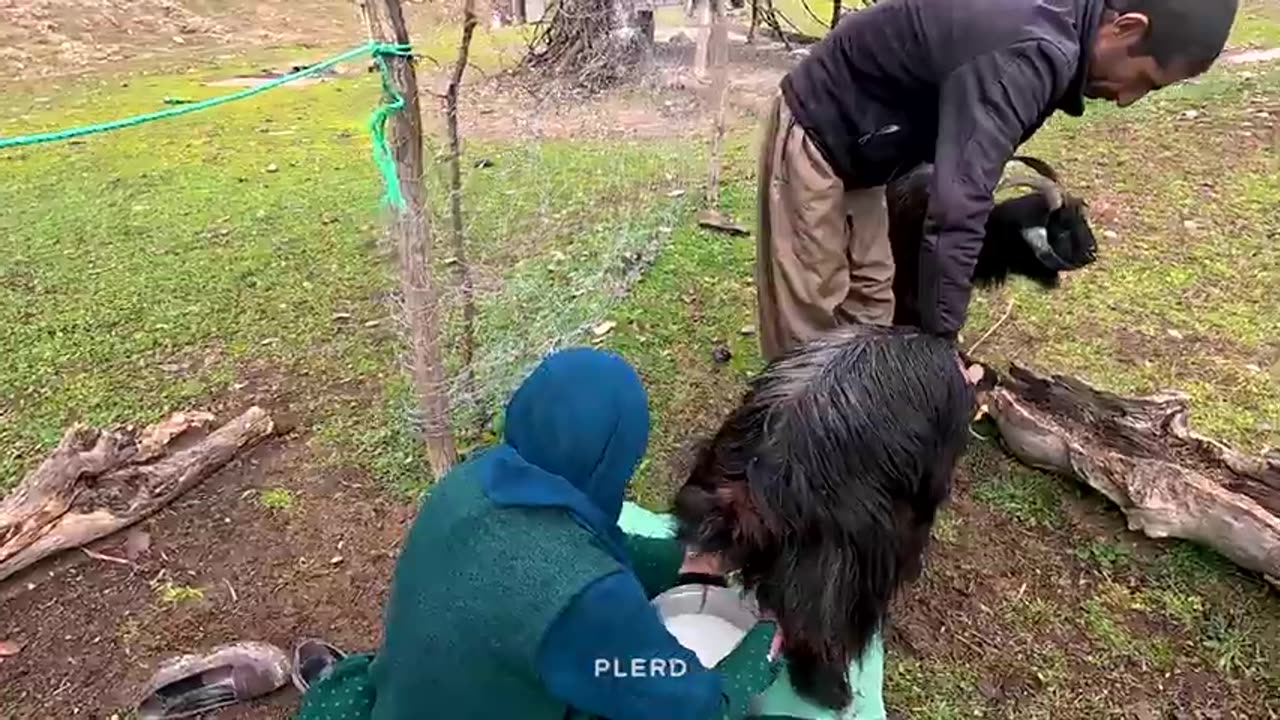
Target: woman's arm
{"x": 608, "y": 654}
{"x": 656, "y": 561}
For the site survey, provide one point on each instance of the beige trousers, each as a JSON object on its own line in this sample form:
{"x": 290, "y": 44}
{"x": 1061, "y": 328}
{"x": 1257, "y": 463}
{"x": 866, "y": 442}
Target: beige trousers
{"x": 823, "y": 257}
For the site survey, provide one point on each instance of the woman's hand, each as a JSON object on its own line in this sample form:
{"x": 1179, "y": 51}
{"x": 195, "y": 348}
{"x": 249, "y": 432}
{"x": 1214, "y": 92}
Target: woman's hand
{"x": 775, "y": 648}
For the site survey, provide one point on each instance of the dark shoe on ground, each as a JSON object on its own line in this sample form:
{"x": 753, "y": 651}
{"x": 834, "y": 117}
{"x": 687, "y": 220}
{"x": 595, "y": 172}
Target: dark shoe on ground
{"x": 313, "y": 660}
{"x": 191, "y": 685}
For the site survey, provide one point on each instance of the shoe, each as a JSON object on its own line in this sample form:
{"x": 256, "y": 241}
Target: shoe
{"x": 313, "y": 660}
{"x": 195, "y": 684}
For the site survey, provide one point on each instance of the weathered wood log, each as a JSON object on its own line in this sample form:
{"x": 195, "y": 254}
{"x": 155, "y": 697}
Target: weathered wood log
{"x": 99, "y": 481}
{"x": 1142, "y": 455}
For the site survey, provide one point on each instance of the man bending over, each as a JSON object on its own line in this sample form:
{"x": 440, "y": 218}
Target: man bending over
{"x": 961, "y": 84}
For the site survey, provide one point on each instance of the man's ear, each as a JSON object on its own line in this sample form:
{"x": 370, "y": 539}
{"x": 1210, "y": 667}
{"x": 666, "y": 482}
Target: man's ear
{"x": 1130, "y": 29}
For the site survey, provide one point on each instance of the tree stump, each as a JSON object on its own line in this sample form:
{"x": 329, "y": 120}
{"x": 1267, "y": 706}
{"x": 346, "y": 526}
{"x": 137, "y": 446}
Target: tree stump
{"x": 1142, "y": 455}
{"x": 99, "y": 481}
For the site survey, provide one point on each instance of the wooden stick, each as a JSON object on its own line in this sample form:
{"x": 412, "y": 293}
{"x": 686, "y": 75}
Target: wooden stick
{"x": 718, "y": 57}
{"x": 461, "y": 266}
{"x": 107, "y": 558}
{"x": 411, "y": 231}
{"x": 99, "y": 482}
{"x": 991, "y": 329}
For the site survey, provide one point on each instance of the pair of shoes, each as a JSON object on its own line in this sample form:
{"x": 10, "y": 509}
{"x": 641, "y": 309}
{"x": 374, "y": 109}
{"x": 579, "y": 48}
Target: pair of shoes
{"x": 191, "y": 685}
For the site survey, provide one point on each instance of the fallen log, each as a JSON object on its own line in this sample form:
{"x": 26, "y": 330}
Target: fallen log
{"x": 1142, "y": 455}
{"x": 99, "y": 481}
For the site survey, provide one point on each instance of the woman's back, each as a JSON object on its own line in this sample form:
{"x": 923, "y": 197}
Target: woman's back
{"x": 470, "y": 569}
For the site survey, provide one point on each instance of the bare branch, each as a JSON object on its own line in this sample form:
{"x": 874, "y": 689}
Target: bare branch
{"x": 461, "y": 266}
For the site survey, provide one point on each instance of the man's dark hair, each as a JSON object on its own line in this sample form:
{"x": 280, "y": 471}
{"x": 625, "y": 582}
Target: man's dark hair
{"x": 1186, "y": 33}
{"x": 821, "y": 487}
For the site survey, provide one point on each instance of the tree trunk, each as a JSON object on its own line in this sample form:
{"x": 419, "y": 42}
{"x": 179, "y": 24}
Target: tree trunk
{"x": 1141, "y": 454}
{"x": 411, "y": 231}
{"x": 702, "y": 51}
{"x": 592, "y": 44}
{"x": 97, "y": 482}
{"x": 718, "y": 56}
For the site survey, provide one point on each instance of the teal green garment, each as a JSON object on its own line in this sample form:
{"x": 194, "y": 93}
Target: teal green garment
{"x": 503, "y": 574}
{"x": 866, "y": 676}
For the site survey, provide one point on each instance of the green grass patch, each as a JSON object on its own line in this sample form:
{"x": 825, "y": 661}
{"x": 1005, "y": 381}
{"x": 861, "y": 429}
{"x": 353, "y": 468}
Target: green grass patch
{"x": 1025, "y": 495}
{"x": 946, "y": 527}
{"x": 1257, "y": 25}
{"x": 1106, "y": 556}
{"x": 171, "y": 593}
{"x": 156, "y": 267}
{"x": 1034, "y": 614}
{"x": 1185, "y": 608}
{"x": 1228, "y": 643}
{"x": 276, "y": 499}
{"x": 937, "y": 690}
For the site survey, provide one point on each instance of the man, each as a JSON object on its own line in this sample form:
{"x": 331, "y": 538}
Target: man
{"x": 960, "y": 83}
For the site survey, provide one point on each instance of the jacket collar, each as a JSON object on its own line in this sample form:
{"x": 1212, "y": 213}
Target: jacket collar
{"x": 1088, "y": 21}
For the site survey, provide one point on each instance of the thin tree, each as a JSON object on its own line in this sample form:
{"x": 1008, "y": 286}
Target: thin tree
{"x": 461, "y": 266}
{"x": 411, "y": 231}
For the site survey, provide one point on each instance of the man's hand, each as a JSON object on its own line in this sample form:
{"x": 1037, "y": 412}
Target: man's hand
{"x": 972, "y": 373}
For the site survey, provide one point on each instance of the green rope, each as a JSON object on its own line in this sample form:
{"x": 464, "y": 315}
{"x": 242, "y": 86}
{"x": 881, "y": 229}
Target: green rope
{"x": 378, "y": 129}
{"x": 381, "y": 153}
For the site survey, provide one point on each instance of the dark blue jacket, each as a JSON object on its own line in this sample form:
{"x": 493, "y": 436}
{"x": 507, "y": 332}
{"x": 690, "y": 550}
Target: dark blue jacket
{"x": 959, "y": 83}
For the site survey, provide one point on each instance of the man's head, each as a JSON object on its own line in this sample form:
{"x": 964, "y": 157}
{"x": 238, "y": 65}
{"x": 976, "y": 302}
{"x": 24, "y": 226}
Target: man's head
{"x": 821, "y": 487}
{"x": 1144, "y": 45}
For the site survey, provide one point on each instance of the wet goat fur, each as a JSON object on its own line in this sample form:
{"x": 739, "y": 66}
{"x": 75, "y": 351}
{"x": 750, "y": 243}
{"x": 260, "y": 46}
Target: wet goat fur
{"x": 822, "y": 486}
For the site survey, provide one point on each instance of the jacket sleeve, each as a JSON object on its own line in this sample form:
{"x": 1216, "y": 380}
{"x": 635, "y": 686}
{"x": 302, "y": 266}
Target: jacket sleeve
{"x": 598, "y": 657}
{"x": 985, "y": 108}
{"x": 656, "y": 561}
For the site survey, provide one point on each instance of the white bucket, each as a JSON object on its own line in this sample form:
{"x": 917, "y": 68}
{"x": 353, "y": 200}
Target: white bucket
{"x": 707, "y": 619}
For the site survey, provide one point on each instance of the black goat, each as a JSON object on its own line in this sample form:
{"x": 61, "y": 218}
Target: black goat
{"x": 1038, "y": 236}
{"x": 822, "y": 487}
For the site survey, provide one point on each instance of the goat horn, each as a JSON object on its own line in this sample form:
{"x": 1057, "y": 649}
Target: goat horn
{"x": 1039, "y": 166}
{"x": 1043, "y": 185}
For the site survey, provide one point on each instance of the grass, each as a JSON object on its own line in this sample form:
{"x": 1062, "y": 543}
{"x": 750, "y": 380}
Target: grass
{"x": 170, "y": 593}
{"x": 276, "y": 499}
{"x": 1023, "y": 494}
{"x": 939, "y": 691}
{"x": 1257, "y": 25}
{"x": 1107, "y": 556}
{"x": 157, "y": 267}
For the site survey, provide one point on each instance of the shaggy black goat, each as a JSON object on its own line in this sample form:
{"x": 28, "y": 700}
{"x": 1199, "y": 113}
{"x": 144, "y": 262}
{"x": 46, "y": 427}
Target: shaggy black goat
{"x": 821, "y": 488}
{"x": 1037, "y": 236}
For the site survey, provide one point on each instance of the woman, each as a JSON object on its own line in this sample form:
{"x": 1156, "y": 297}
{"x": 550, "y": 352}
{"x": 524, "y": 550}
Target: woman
{"x": 515, "y": 582}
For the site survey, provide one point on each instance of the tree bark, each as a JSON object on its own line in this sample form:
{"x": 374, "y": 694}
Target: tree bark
{"x": 702, "y": 50}
{"x": 411, "y": 231}
{"x": 592, "y": 44}
{"x": 98, "y": 482}
{"x": 1141, "y": 454}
